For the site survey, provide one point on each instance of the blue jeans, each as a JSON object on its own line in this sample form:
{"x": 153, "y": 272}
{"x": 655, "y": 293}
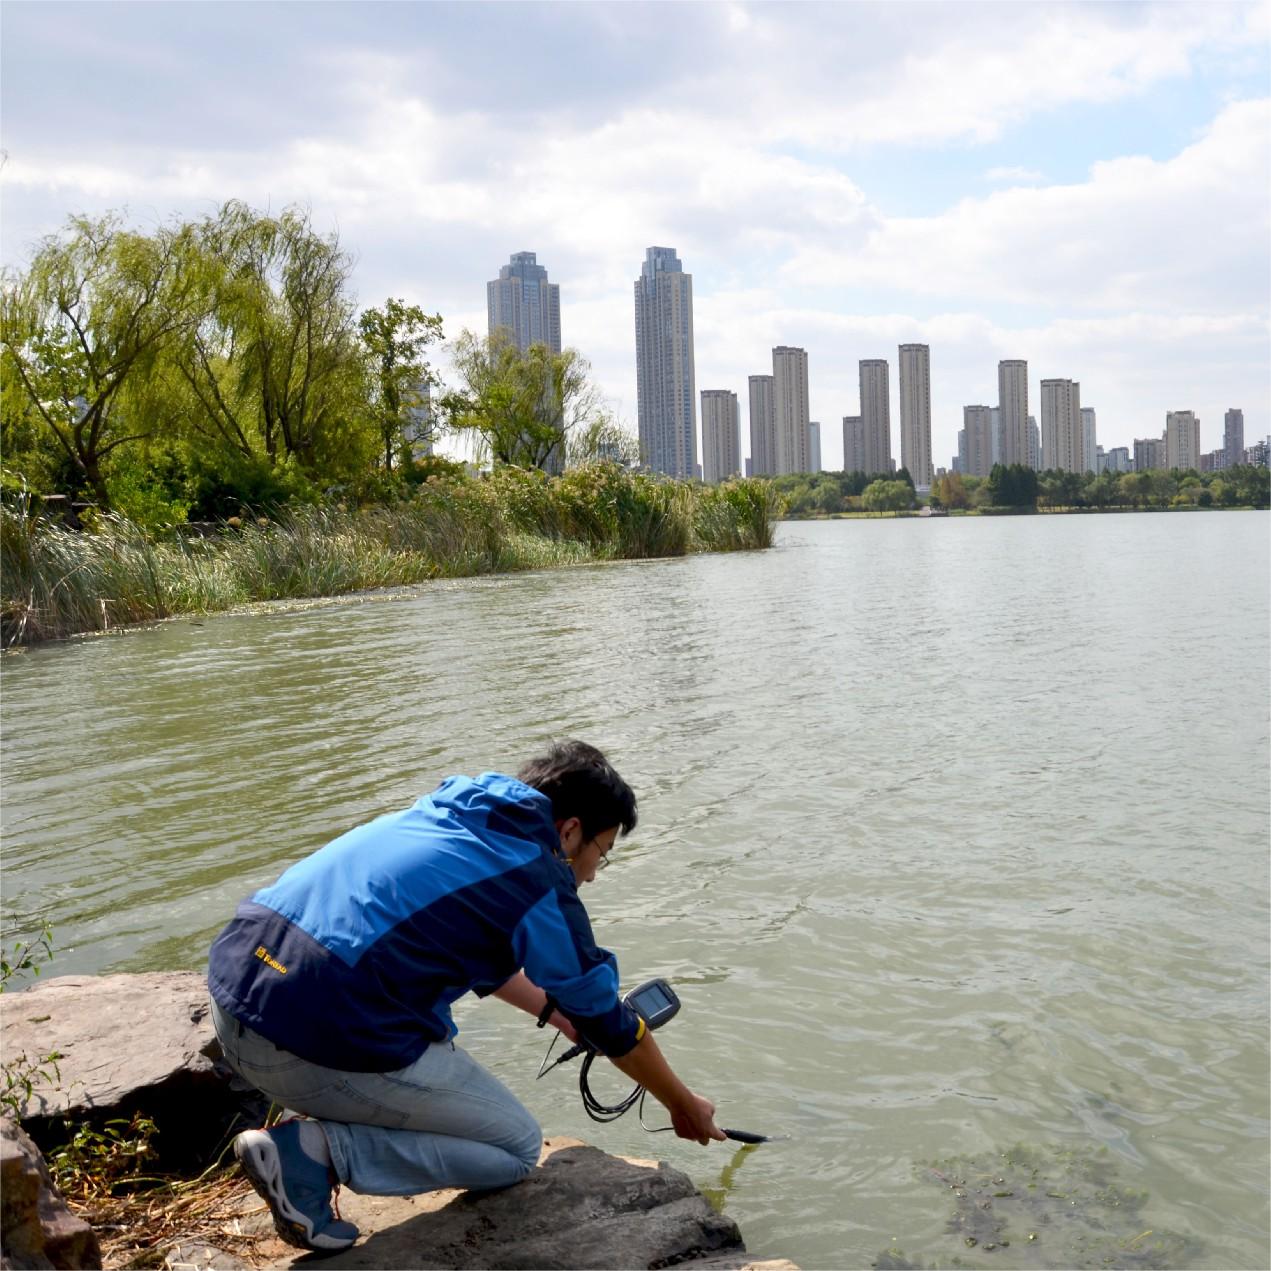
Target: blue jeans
{"x": 441, "y": 1122}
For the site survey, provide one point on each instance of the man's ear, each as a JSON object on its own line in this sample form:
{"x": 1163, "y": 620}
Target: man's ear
{"x": 571, "y": 836}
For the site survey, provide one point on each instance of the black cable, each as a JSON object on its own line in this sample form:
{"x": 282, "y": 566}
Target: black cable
{"x": 601, "y": 1111}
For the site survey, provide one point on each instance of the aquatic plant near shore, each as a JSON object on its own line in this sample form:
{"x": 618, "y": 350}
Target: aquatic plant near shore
{"x": 57, "y": 582}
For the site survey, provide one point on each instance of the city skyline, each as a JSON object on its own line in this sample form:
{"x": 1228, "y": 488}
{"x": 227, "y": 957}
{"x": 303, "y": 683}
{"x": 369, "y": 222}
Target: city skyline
{"x": 895, "y": 174}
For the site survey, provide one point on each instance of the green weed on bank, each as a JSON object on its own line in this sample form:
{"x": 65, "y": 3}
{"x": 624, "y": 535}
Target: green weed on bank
{"x": 56, "y": 582}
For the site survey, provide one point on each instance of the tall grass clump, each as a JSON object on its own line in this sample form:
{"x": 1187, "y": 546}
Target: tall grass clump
{"x": 736, "y": 515}
{"x": 56, "y": 582}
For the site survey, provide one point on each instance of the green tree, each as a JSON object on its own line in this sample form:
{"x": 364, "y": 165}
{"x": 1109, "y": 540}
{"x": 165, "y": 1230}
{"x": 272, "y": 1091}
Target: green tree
{"x": 85, "y": 323}
{"x": 275, "y": 372}
{"x": 950, "y": 491}
{"x": 888, "y": 496}
{"x": 395, "y": 338}
{"x": 522, "y": 408}
{"x": 1059, "y": 489}
{"x": 601, "y": 438}
{"x": 1012, "y": 486}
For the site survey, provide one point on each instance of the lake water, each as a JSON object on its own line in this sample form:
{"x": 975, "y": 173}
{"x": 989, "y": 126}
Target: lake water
{"x": 953, "y": 838}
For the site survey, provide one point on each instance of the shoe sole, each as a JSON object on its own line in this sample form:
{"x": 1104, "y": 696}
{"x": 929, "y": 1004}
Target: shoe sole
{"x": 258, "y": 1156}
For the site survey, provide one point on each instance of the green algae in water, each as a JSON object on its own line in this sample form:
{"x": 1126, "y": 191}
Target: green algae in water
{"x": 1045, "y": 1207}
{"x": 718, "y": 1196}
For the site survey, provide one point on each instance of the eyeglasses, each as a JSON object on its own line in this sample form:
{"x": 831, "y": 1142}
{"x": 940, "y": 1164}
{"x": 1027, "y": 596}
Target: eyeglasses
{"x": 603, "y": 860}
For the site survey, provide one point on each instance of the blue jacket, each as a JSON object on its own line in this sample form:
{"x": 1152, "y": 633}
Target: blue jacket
{"x": 354, "y": 956}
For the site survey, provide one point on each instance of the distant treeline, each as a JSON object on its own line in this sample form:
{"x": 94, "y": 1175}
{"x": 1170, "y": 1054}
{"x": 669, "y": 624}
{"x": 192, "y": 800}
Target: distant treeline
{"x": 1020, "y": 487}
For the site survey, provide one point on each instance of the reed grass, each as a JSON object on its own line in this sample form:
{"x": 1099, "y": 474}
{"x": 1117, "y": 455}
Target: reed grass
{"x": 56, "y": 582}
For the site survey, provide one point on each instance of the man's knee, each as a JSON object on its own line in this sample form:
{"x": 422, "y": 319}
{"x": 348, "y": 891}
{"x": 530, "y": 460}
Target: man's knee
{"x": 529, "y": 1147}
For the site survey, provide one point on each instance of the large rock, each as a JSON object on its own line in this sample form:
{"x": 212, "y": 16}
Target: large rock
{"x": 37, "y": 1230}
{"x": 128, "y": 1044}
{"x": 579, "y": 1208}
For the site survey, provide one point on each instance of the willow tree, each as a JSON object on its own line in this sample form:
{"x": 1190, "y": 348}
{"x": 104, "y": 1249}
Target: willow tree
{"x": 85, "y": 323}
{"x": 522, "y": 407}
{"x": 274, "y": 371}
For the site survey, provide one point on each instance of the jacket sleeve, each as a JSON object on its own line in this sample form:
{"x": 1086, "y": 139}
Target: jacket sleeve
{"x": 554, "y": 943}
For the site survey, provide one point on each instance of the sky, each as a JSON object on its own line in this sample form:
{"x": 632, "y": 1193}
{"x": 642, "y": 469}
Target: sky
{"x": 1086, "y": 186}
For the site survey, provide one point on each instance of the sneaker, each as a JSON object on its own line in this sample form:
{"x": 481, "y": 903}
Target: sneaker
{"x": 296, "y": 1188}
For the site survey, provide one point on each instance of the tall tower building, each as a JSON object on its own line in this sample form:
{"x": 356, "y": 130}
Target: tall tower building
{"x": 876, "y": 415}
{"x": 1182, "y": 439}
{"x": 1089, "y": 446}
{"x": 814, "y": 446}
{"x": 1012, "y": 401}
{"x": 1034, "y": 444}
{"x": 977, "y": 423}
{"x": 1233, "y": 437}
{"x": 763, "y": 428}
{"x": 853, "y": 444}
{"x": 418, "y": 430}
{"x": 915, "y": 413}
{"x": 996, "y": 414}
{"x": 523, "y": 303}
{"x": 1061, "y": 425}
{"x": 666, "y": 398}
{"x": 721, "y": 435}
{"x": 790, "y": 409}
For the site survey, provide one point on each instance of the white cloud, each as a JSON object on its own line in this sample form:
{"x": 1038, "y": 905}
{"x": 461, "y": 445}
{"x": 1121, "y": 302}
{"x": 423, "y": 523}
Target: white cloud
{"x": 1185, "y": 233}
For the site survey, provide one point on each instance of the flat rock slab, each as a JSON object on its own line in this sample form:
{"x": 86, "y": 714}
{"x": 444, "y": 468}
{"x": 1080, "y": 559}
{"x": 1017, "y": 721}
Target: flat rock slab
{"x": 581, "y": 1208}
{"x": 127, "y": 1044}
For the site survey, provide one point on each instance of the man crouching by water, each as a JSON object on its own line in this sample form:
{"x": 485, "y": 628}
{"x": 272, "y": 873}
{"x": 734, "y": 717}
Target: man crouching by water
{"x": 331, "y": 990}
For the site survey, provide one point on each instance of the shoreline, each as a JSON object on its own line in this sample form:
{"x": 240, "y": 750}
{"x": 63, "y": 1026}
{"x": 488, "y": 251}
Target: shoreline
{"x": 61, "y": 583}
{"x": 916, "y": 513}
{"x": 389, "y": 594}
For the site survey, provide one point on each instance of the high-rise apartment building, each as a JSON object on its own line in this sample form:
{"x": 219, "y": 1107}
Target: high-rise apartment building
{"x": 1233, "y": 437}
{"x": 915, "y": 413}
{"x": 814, "y": 446}
{"x": 1149, "y": 454}
{"x": 960, "y": 459}
{"x": 997, "y": 433}
{"x": 1116, "y": 460}
{"x": 977, "y": 423}
{"x": 1182, "y": 439}
{"x": 666, "y": 398}
{"x": 1034, "y": 444}
{"x": 418, "y": 430}
{"x": 521, "y": 302}
{"x": 853, "y": 444}
{"x": 876, "y": 415}
{"x": 790, "y": 409}
{"x": 1061, "y": 426}
{"x": 1012, "y": 401}
{"x": 763, "y": 427}
{"x": 1089, "y": 446}
{"x": 721, "y": 435}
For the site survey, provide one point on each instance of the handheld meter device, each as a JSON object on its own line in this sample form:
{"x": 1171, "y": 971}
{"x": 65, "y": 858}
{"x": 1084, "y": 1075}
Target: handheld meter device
{"x": 654, "y": 1001}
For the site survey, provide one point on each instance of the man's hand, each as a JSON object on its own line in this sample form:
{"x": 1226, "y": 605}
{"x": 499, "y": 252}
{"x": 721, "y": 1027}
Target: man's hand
{"x": 692, "y": 1116}
{"x": 696, "y": 1120}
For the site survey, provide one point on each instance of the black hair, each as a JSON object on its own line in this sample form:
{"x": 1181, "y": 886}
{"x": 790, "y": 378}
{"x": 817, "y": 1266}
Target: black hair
{"x": 581, "y": 782}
